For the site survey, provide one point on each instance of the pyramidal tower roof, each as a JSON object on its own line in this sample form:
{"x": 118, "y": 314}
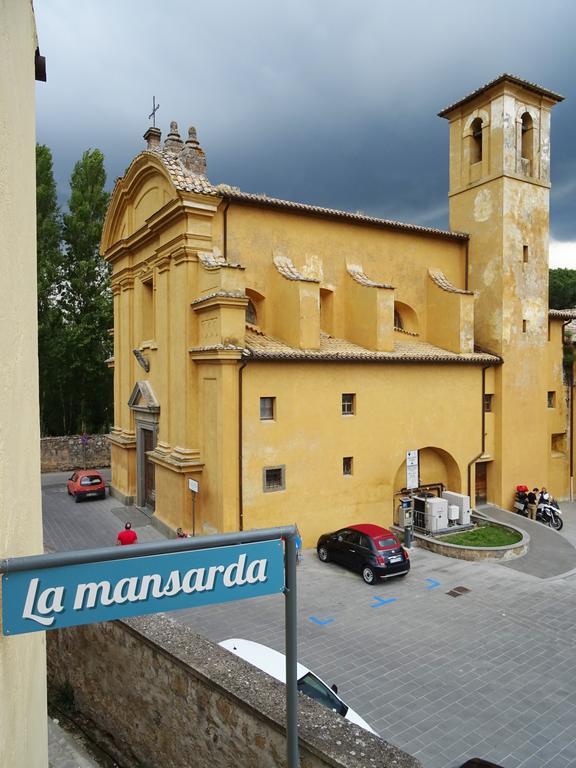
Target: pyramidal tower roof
{"x": 497, "y": 81}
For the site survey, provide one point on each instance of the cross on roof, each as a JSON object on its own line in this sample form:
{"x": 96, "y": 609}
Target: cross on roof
{"x": 155, "y": 108}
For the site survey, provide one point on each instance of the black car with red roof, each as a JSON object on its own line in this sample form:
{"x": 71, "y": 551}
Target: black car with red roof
{"x": 373, "y": 551}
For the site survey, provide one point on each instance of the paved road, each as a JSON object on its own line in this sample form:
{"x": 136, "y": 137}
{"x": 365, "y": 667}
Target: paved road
{"x": 551, "y": 554}
{"x": 489, "y": 673}
{"x": 91, "y": 523}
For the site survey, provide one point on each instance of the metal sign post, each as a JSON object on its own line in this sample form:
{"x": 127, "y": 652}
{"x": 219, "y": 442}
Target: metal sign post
{"x": 66, "y": 589}
{"x": 412, "y": 482}
{"x": 290, "y": 620}
{"x": 194, "y": 486}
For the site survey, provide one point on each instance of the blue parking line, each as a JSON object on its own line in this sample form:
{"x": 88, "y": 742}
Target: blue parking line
{"x": 321, "y": 622}
{"x": 433, "y": 584}
{"x": 381, "y": 601}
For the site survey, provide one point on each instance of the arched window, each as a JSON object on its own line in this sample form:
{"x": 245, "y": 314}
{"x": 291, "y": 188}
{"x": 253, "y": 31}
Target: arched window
{"x": 251, "y": 316}
{"x": 476, "y": 145}
{"x": 527, "y": 142}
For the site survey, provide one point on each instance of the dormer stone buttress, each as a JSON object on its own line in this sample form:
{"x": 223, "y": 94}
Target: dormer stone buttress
{"x": 220, "y": 307}
{"x": 369, "y": 311}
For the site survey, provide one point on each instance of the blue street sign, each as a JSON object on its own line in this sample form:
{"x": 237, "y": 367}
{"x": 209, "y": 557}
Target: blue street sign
{"x": 65, "y": 596}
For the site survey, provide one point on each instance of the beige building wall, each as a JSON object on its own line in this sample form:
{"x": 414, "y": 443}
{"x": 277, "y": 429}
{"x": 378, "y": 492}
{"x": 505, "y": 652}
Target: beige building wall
{"x": 309, "y": 437}
{"x": 23, "y": 721}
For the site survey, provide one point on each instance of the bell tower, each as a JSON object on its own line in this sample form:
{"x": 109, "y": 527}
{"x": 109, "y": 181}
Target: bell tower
{"x": 499, "y": 194}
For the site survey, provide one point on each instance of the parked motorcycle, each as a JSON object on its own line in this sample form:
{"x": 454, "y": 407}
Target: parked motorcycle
{"x": 547, "y": 512}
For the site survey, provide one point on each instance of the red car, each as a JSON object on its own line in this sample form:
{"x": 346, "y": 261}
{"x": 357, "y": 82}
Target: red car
{"x": 373, "y": 551}
{"x": 85, "y": 483}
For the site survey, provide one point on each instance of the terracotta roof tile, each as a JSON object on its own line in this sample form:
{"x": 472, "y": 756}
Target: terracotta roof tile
{"x": 357, "y": 273}
{"x": 442, "y": 282}
{"x": 187, "y": 181}
{"x": 262, "y": 347}
{"x": 562, "y": 314}
{"x": 501, "y": 78}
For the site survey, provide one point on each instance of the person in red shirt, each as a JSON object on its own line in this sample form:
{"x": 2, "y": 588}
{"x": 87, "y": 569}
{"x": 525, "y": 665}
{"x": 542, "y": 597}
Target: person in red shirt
{"x": 127, "y": 536}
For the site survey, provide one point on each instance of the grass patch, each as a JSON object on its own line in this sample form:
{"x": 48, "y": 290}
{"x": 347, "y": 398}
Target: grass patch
{"x": 484, "y": 536}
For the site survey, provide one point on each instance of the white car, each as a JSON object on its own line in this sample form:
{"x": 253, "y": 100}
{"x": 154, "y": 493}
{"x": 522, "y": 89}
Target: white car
{"x": 274, "y": 664}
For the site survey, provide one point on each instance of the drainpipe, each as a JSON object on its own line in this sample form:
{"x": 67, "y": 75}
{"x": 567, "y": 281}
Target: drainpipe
{"x": 571, "y": 426}
{"x": 240, "y": 488}
{"x": 483, "y": 442}
{"x": 570, "y": 417}
{"x": 225, "y": 232}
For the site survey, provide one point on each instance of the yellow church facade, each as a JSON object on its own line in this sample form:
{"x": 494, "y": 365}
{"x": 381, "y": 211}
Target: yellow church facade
{"x": 281, "y": 359}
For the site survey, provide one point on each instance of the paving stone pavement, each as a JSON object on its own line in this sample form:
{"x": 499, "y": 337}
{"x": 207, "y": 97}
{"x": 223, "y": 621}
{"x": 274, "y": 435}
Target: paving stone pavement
{"x": 490, "y": 673}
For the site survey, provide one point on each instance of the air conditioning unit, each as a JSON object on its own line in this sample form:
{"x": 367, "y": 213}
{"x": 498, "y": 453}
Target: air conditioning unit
{"x": 464, "y": 517}
{"x": 453, "y": 513}
{"x": 436, "y": 514}
{"x": 461, "y": 501}
{"x": 463, "y": 504}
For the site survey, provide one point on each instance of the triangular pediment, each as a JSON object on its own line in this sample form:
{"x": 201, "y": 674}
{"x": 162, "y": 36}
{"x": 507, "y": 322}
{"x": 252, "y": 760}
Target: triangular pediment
{"x": 143, "y": 398}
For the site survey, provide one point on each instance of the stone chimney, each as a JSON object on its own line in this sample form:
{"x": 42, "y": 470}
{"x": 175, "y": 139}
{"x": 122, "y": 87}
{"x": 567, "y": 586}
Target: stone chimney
{"x": 173, "y": 142}
{"x": 192, "y": 156}
{"x": 152, "y": 137}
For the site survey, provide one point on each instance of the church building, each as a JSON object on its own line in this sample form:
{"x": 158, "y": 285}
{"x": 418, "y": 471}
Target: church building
{"x": 281, "y": 359}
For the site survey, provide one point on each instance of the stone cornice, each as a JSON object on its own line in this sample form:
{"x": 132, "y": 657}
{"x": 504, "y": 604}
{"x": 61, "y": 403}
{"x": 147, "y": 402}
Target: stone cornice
{"x": 176, "y": 463}
{"x": 220, "y": 298}
{"x": 218, "y": 353}
{"x": 122, "y": 440}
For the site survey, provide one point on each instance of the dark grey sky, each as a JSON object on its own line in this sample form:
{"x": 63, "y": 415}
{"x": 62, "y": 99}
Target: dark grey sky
{"x": 329, "y": 102}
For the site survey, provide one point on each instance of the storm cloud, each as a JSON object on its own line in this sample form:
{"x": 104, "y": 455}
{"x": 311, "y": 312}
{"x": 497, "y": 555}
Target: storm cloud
{"x": 330, "y": 103}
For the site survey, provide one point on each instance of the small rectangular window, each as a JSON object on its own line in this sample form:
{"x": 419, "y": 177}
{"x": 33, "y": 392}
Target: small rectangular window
{"x": 267, "y": 408}
{"x": 525, "y": 254}
{"x": 147, "y": 295}
{"x": 488, "y": 403}
{"x": 347, "y": 465}
{"x": 274, "y": 478}
{"x": 524, "y": 325}
{"x": 348, "y": 404}
{"x": 551, "y": 399}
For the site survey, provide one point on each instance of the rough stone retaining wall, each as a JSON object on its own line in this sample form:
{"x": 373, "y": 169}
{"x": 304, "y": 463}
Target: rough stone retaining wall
{"x": 160, "y": 695}
{"x": 59, "y": 454}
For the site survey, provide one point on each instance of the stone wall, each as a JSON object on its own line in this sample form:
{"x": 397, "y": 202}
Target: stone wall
{"x": 157, "y": 694}
{"x": 59, "y": 454}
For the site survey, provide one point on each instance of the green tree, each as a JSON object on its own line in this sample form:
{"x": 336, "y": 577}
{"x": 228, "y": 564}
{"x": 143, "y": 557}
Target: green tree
{"x": 562, "y": 288}
{"x": 49, "y": 266}
{"x": 86, "y": 301}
